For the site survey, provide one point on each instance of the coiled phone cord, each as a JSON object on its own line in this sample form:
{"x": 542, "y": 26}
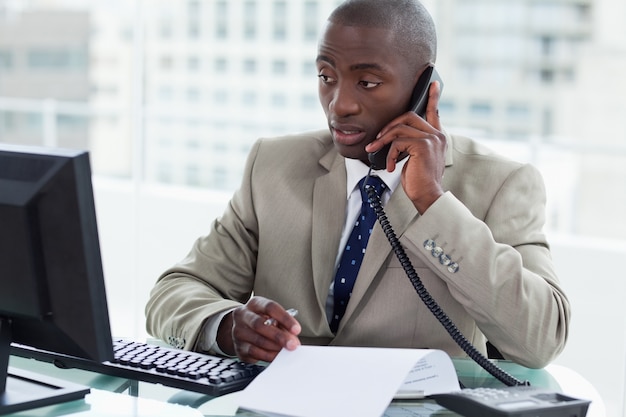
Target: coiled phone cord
{"x": 446, "y": 322}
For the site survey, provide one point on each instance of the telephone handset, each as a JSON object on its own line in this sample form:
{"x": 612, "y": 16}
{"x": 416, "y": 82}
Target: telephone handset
{"x": 419, "y": 100}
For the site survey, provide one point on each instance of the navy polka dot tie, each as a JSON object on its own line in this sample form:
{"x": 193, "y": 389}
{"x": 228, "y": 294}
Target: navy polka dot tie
{"x": 353, "y": 254}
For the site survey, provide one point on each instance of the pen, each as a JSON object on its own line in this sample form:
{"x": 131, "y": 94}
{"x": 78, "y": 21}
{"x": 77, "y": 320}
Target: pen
{"x": 272, "y": 321}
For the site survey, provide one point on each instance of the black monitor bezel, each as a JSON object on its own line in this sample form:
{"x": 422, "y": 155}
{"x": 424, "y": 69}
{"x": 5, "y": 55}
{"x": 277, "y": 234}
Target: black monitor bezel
{"x": 69, "y": 312}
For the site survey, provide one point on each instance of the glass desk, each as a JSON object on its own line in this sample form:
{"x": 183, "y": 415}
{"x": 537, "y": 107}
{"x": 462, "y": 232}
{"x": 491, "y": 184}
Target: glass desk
{"x": 111, "y": 396}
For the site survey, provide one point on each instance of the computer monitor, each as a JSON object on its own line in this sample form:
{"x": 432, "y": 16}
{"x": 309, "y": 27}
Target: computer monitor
{"x": 52, "y": 292}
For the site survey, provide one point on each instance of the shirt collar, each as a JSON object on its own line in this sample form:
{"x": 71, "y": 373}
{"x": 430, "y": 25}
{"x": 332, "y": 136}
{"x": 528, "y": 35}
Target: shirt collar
{"x": 355, "y": 170}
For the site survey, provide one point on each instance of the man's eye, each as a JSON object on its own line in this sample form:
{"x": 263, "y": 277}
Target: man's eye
{"x": 325, "y": 78}
{"x": 369, "y": 84}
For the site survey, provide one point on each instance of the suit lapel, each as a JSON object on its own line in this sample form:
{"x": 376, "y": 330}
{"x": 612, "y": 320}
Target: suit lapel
{"x": 329, "y": 208}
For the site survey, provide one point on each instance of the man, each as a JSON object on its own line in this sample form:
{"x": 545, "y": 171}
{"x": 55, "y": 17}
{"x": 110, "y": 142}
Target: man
{"x": 470, "y": 222}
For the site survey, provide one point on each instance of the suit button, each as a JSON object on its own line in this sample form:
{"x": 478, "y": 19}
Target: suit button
{"x": 429, "y": 244}
{"x": 445, "y": 260}
{"x": 453, "y": 267}
{"x": 437, "y": 252}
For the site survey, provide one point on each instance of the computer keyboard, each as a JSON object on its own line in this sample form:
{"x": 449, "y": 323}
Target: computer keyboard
{"x": 192, "y": 371}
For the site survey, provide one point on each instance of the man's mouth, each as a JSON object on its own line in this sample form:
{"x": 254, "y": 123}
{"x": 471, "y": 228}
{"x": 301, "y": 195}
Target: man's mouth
{"x": 347, "y": 136}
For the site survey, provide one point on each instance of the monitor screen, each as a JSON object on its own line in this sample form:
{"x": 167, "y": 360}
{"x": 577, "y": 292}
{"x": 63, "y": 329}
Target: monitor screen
{"x": 52, "y": 292}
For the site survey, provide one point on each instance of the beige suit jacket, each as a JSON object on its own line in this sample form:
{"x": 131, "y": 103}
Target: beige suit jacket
{"x": 279, "y": 237}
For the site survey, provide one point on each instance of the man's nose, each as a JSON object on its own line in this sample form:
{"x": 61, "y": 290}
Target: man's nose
{"x": 344, "y": 101}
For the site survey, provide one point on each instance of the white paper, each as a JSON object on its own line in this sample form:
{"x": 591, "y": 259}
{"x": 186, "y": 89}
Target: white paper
{"x": 314, "y": 381}
{"x": 432, "y": 374}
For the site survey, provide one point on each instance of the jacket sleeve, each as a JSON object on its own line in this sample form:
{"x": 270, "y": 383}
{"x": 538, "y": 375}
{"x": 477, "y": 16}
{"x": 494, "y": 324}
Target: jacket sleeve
{"x": 215, "y": 276}
{"x": 499, "y": 267}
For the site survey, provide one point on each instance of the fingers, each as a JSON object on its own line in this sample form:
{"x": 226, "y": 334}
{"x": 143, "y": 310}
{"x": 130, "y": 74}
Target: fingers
{"x": 254, "y": 340}
{"x": 410, "y": 136}
{"x": 425, "y": 144}
{"x": 409, "y": 125}
{"x": 432, "y": 108}
{"x": 431, "y": 115}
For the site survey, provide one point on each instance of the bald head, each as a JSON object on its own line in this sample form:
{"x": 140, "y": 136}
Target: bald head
{"x": 414, "y": 28}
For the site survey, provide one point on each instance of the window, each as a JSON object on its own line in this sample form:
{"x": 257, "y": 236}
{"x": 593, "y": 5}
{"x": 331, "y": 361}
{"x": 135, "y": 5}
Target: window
{"x": 518, "y": 111}
{"x": 279, "y": 100}
{"x": 310, "y": 101}
{"x": 34, "y": 121}
{"x": 6, "y": 60}
{"x": 194, "y": 8}
{"x": 193, "y": 144}
{"x": 71, "y": 122}
{"x": 249, "y": 66}
{"x": 309, "y": 69}
{"x": 164, "y": 173}
{"x": 280, "y": 20}
{"x": 193, "y": 94}
{"x": 56, "y": 59}
{"x": 547, "y": 123}
{"x": 193, "y": 176}
{"x": 221, "y": 65}
{"x": 547, "y": 45}
{"x": 7, "y": 121}
{"x": 193, "y": 63}
{"x": 166, "y": 62}
{"x": 221, "y": 176}
{"x": 220, "y": 97}
{"x": 279, "y": 67}
{"x": 311, "y": 21}
{"x": 249, "y": 98}
{"x": 249, "y": 20}
{"x": 546, "y": 75}
{"x": 166, "y": 93}
{"x": 193, "y": 30}
{"x": 480, "y": 109}
{"x": 165, "y": 30}
{"x": 221, "y": 19}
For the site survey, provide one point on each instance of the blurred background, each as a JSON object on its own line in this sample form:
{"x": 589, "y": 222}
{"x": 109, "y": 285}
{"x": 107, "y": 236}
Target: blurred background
{"x": 168, "y": 97}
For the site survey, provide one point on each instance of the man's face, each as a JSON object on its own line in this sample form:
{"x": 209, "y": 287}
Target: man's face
{"x": 364, "y": 82}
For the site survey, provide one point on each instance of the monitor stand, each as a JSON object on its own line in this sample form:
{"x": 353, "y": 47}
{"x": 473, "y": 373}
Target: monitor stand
{"x": 24, "y": 390}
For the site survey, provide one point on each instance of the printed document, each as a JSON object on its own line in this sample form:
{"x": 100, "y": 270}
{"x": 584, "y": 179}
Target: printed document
{"x": 314, "y": 381}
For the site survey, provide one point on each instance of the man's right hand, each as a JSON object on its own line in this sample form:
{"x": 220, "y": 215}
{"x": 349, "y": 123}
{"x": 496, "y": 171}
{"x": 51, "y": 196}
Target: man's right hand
{"x": 244, "y": 332}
